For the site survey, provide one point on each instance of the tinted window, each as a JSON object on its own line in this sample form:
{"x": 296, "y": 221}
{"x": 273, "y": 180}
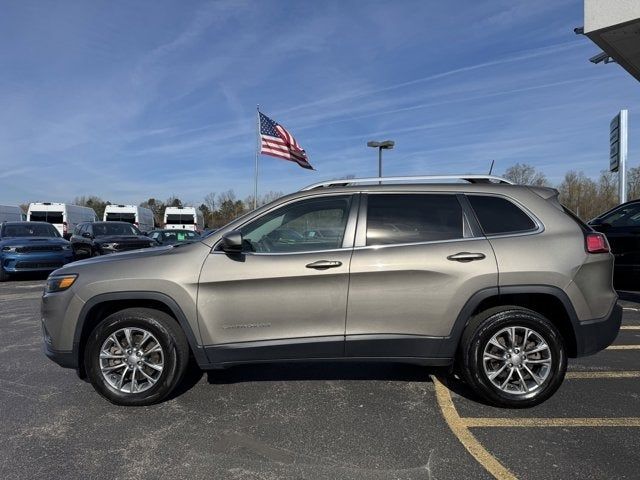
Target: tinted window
{"x": 293, "y": 228}
{"x": 500, "y": 216}
{"x": 29, "y": 229}
{"x": 112, "y": 228}
{"x": 410, "y": 218}
{"x": 625, "y": 216}
{"x": 46, "y": 216}
{"x": 121, "y": 217}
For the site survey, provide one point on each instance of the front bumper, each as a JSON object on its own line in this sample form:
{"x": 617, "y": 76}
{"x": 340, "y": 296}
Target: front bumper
{"x": 34, "y": 262}
{"x": 595, "y": 335}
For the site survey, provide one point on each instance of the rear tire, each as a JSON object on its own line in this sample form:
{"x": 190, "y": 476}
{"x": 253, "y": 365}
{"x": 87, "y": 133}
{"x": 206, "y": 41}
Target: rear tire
{"x": 136, "y": 356}
{"x": 519, "y": 373}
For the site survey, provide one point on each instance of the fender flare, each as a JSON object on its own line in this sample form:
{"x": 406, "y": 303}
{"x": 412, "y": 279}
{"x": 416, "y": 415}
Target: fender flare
{"x": 170, "y": 303}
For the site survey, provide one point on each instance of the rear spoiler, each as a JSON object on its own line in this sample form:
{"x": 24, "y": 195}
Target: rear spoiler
{"x": 549, "y": 194}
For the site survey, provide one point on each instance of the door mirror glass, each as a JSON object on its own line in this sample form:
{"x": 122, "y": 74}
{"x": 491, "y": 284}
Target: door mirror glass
{"x": 232, "y": 242}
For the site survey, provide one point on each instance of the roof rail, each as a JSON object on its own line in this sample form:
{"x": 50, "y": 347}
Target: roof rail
{"x": 355, "y": 181}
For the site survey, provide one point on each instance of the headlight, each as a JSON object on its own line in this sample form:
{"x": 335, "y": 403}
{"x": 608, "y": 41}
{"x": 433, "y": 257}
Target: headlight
{"x": 59, "y": 283}
{"x": 9, "y": 249}
{"x": 153, "y": 244}
{"x": 66, "y": 247}
{"x": 109, "y": 246}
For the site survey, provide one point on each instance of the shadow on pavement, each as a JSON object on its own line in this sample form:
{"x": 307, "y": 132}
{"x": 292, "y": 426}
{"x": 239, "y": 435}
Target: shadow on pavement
{"x": 321, "y": 371}
{"x": 27, "y": 276}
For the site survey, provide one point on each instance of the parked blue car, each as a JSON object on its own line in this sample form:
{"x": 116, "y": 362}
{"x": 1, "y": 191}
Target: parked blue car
{"x": 31, "y": 247}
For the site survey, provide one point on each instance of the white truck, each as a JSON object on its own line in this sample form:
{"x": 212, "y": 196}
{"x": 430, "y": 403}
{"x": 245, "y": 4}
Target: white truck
{"x": 187, "y": 218}
{"x": 63, "y": 216}
{"x": 11, "y": 213}
{"x": 139, "y": 216}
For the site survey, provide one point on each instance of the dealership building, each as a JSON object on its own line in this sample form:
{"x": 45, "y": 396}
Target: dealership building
{"x": 614, "y": 26}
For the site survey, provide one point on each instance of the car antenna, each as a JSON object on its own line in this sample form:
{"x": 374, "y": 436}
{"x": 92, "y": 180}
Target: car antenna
{"x": 491, "y": 167}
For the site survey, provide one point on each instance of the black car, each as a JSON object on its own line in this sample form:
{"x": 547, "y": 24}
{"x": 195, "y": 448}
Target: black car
{"x": 621, "y": 225}
{"x": 173, "y": 237}
{"x": 100, "y": 238}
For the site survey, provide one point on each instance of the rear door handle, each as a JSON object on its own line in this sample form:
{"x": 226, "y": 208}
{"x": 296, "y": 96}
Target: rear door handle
{"x": 466, "y": 257}
{"x": 324, "y": 264}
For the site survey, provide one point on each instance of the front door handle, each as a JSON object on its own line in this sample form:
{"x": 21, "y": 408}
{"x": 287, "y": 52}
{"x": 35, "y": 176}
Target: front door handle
{"x": 324, "y": 264}
{"x": 466, "y": 257}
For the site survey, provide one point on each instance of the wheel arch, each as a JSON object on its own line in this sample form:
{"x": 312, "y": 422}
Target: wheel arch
{"x": 548, "y": 300}
{"x": 101, "y": 306}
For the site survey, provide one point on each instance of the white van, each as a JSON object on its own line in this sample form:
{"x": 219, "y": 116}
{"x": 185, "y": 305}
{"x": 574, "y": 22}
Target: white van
{"x": 141, "y": 217}
{"x": 63, "y": 216}
{"x": 11, "y": 213}
{"x": 188, "y": 218}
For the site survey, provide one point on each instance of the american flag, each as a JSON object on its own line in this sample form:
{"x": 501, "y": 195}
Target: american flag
{"x": 276, "y": 141}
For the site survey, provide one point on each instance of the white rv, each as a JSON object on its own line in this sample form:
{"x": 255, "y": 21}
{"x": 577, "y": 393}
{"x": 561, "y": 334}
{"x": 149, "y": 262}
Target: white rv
{"x": 188, "y": 218}
{"x": 63, "y": 216}
{"x": 141, "y": 217}
{"x": 11, "y": 213}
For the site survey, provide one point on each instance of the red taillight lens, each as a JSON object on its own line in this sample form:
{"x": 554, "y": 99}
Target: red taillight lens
{"x": 597, "y": 243}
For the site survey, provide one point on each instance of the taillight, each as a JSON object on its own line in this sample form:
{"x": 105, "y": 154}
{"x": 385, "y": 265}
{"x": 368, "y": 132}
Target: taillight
{"x": 64, "y": 228}
{"x": 597, "y": 243}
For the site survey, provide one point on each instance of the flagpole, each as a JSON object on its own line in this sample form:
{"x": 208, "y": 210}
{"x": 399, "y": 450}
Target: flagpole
{"x": 255, "y": 185}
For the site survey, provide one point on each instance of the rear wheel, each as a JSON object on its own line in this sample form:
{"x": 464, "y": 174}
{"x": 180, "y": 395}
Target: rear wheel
{"x": 136, "y": 356}
{"x": 513, "y": 357}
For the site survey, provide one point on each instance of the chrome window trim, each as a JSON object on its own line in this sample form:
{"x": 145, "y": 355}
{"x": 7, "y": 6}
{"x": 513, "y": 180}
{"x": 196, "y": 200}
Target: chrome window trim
{"x": 432, "y": 242}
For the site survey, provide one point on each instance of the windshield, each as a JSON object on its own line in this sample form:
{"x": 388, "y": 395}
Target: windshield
{"x": 46, "y": 216}
{"x": 105, "y": 229}
{"x": 121, "y": 217}
{"x": 29, "y": 230}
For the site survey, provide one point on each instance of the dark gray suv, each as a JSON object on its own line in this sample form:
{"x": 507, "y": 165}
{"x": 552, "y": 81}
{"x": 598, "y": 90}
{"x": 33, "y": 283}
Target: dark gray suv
{"x": 495, "y": 279}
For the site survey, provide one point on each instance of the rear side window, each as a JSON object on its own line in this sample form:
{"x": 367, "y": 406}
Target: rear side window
{"x": 412, "y": 218}
{"x": 499, "y": 216}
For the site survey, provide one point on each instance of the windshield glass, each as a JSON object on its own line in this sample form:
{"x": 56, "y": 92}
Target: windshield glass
{"x": 104, "y": 229}
{"x": 29, "y": 230}
{"x": 46, "y": 216}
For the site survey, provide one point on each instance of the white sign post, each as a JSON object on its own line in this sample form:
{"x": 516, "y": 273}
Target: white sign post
{"x": 618, "y": 150}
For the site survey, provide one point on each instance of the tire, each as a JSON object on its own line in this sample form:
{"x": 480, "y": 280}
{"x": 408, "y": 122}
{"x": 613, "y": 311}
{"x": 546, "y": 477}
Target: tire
{"x": 115, "y": 385}
{"x": 4, "y": 276}
{"x": 537, "y": 374}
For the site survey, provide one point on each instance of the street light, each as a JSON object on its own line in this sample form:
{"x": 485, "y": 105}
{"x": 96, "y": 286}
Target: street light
{"x": 386, "y": 145}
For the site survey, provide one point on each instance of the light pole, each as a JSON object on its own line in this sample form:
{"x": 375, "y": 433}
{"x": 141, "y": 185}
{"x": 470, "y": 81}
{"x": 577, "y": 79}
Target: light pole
{"x": 386, "y": 145}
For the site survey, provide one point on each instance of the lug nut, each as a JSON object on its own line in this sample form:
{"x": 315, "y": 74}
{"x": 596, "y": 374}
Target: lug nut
{"x": 510, "y": 365}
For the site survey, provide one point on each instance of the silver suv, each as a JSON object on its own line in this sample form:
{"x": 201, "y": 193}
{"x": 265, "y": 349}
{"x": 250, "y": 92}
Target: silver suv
{"x": 495, "y": 279}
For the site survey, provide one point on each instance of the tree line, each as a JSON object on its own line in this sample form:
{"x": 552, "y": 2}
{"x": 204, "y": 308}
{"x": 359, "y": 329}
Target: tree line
{"x": 586, "y": 197}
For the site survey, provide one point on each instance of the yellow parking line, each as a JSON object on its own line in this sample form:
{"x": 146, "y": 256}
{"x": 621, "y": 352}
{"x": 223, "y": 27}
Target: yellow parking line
{"x": 630, "y": 327}
{"x": 624, "y": 347}
{"x": 460, "y": 430}
{"x": 620, "y": 374}
{"x": 471, "y": 422}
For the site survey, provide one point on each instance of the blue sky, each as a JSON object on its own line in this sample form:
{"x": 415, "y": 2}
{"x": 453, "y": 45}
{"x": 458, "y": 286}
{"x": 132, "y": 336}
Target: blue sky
{"x": 128, "y": 100}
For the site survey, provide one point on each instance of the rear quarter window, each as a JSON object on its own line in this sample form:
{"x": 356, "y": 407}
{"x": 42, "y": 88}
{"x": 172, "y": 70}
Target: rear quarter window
{"x": 499, "y": 216}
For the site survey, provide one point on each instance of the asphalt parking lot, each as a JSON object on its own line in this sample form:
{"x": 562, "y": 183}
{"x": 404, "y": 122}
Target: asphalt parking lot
{"x": 373, "y": 421}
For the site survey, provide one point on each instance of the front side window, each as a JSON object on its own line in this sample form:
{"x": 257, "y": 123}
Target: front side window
{"x": 625, "y": 216}
{"x": 499, "y": 216}
{"x": 413, "y": 218}
{"x": 296, "y": 227}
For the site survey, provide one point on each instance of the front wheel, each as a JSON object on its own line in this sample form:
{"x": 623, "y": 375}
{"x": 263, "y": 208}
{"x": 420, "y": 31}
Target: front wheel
{"x": 136, "y": 356}
{"x": 513, "y": 357}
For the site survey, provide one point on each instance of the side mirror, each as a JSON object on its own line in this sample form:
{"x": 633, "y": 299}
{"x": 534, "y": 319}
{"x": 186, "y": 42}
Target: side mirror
{"x": 87, "y": 235}
{"x": 231, "y": 242}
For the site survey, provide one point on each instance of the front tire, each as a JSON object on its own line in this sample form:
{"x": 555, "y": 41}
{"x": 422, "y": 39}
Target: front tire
{"x": 513, "y": 357}
{"x": 136, "y": 356}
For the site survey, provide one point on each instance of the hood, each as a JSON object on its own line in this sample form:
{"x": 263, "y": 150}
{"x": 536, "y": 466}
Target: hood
{"x": 122, "y": 238}
{"x": 26, "y": 241}
{"x": 114, "y": 257}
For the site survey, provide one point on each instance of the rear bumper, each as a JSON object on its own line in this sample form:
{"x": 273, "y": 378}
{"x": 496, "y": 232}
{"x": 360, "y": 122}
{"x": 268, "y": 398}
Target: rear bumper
{"x": 595, "y": 335}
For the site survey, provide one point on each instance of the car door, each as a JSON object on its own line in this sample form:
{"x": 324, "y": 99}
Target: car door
{"x": 417, "y": 259}
{"x": 285, "y": 295}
